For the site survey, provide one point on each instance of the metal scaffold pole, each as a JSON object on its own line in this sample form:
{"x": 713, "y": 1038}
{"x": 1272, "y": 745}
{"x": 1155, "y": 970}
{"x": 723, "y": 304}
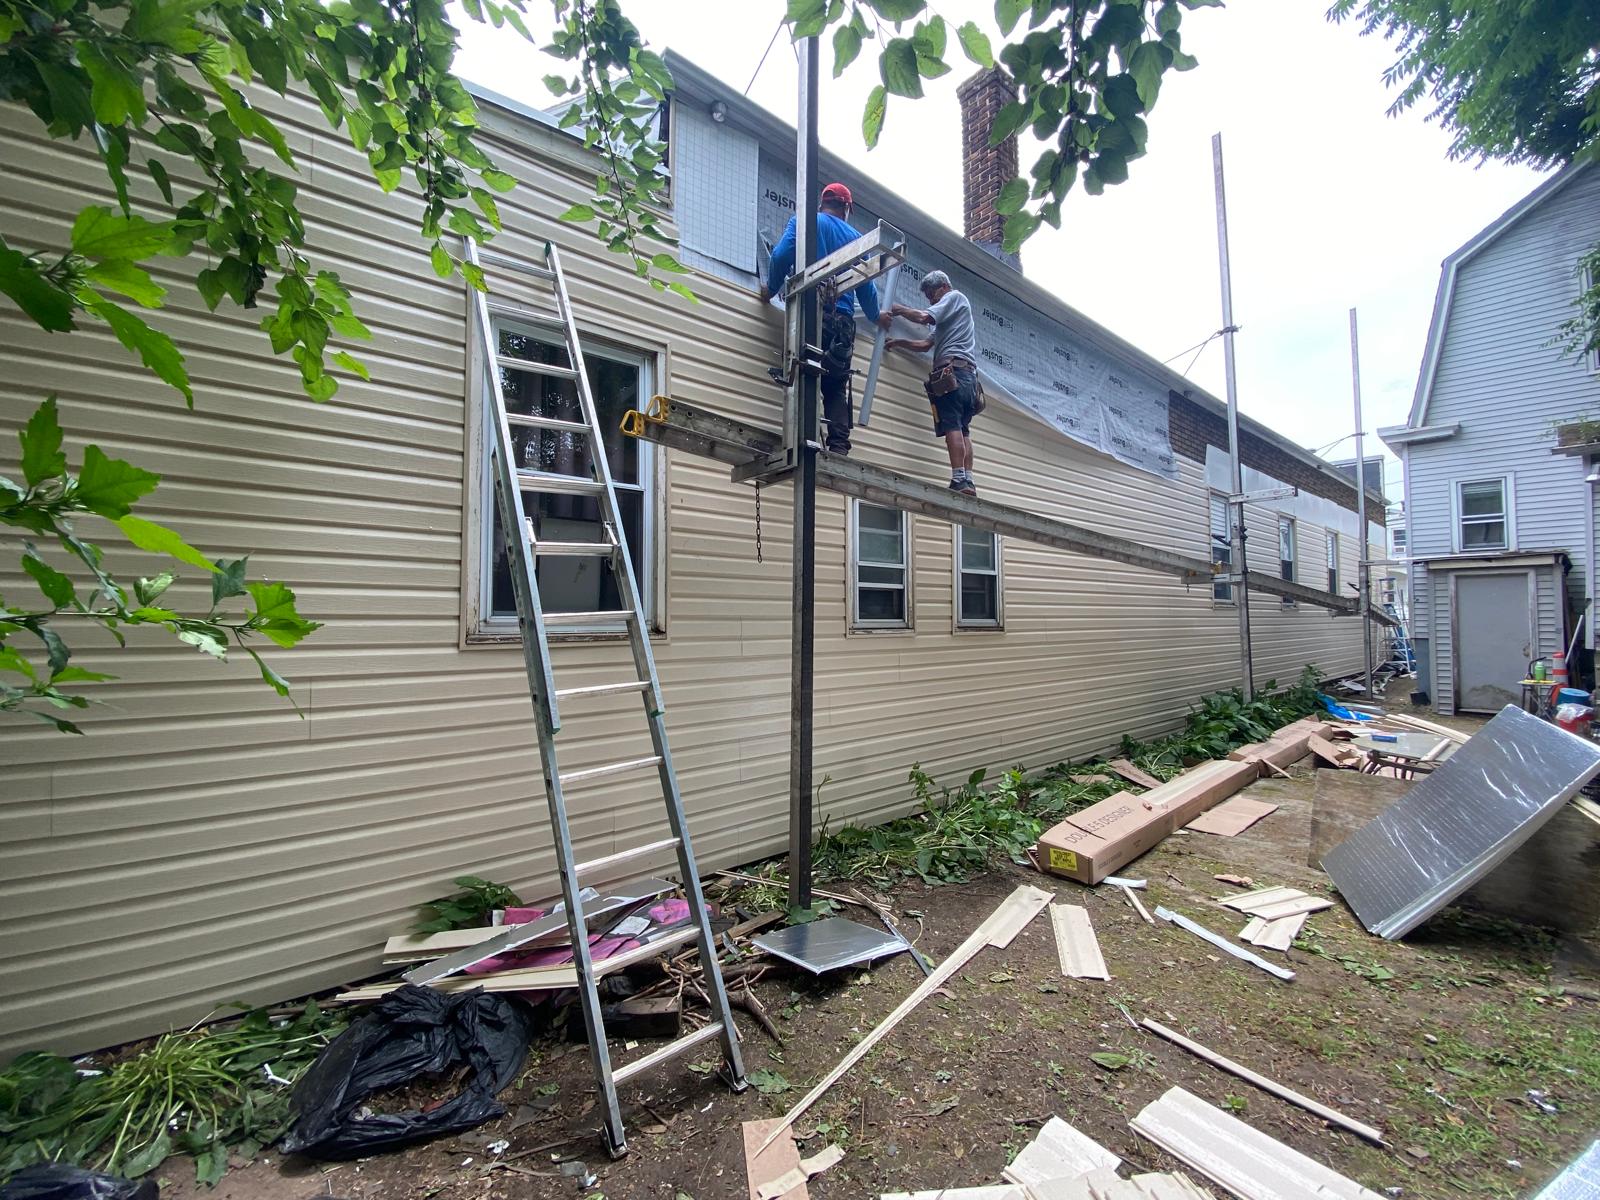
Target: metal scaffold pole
{"x": 1240, "y": 566}
{"x": 801, "y": 431}
{"x": 1364, "y": 554}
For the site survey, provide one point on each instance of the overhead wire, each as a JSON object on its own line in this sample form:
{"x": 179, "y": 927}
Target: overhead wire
{"x": 773, "y": 41}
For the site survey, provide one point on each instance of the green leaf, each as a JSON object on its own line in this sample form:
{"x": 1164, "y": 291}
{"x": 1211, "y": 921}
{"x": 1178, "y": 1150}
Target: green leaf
{"x": 228, "y": 581}
{"x": 57, "y": 588}
{"x": 872, "y": 116}
{"x": 147, "y": 591}
{"x": 69, "y": 94}
{"x": 211, "y": 1164}
{"x": 1008, "y": 12}
{"x": 846, "y": 45}
{"x": 1168, "y": 17}
{"x": 1007, "y": 121}
{"x": 352, "y": 364}
{"x": 665, "y": 262}
{"x": 46, "y": 303}
{"x": 42, "y": 456}
{"x": 56, "y": 652}
{"x": 897, "y": 10}
{"x": 1110, "y": 1061}
{"x": 930, "y": 38}
{"x": 498, "y": 180}
{"x": 682, "y": 290}
{"x": 1012, "y": 197}
{"x": 128, "y": 279}
{"x": 1146, "y": 67}
{"x": 154, "y": 348}
{"x": 578, "y": 214}
{"x": 208, "y": 640}
{"x": 109, "y": 486}
{"x": 769, "y": 1082}
{"x": 100, "y": 233}
{"x": 79, "y": 675}
{"x": 975, "y": 43}
{"x": 277, "y": 682}
{"x": 117, "y": 92}
{"x": 898, "y": 66}
{"x": 10, "y": 660}
{"x": 1019, "y": 227}
{"x": 275, "y": 614}
{"x": 158, "y": 539}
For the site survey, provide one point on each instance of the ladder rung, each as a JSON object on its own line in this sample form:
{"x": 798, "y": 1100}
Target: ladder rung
{"x": 552, "y": 423}
{"x": 573, "y": 549}
{"x": 554, "y": 482}
{"x": 621, "y": 856}
{"x": 670, "y": 1050}
{"x": 588, "y": 618}
{"x": 534, "y": 368}
{"x": 496, "y": 259}
{"x": 615, "y": 768}
{"x": 602, "y": 689}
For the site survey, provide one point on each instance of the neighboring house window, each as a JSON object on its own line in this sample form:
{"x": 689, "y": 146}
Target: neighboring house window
{"x": 1399, "y": 536}
{"x": 978, "y": 579}
{"x": 1333, "y": 562}
{"x": 1286, "y": 541}
{"x": 618, "y": 381}
{"x": 881, "y": 571}
{"x": 1482, "y": 515}
{"x": 1221, "y": 545}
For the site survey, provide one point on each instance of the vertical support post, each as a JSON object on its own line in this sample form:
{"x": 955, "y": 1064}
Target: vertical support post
{"x": 870, "y": 388}
{"x": 1364, "y": 563}
{"x": 803, "y": 451}
{"x": 1235, "y": 508}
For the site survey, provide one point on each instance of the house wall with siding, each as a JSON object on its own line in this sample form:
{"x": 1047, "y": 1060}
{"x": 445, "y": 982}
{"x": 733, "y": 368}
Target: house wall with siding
{"x": 1507, "y": 388}
{"x": 205, "y": 842}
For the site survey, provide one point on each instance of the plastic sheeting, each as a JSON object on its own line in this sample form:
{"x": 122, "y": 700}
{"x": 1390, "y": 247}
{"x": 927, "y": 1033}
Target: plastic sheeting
{"x": 1457, "y": 824}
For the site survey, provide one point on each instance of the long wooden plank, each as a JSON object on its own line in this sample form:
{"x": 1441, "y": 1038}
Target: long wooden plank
{"x": 1333, "y": 1116}
{"x": 1245, "y": 1161}
{"x": 1076, "y": 945}
{"x": 1002, "y": 925}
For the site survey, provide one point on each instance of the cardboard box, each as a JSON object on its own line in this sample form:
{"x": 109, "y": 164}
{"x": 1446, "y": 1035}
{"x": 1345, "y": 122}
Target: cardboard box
{"x": 1105, "y": 837}
{"x": 1091, "y": 844}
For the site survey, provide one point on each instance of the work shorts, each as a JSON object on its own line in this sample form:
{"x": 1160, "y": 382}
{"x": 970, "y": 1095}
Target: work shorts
{"x": 954, "y": 411}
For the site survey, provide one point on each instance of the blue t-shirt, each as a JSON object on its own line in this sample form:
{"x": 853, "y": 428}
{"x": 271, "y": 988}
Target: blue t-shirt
{"x": 833, "y": 233}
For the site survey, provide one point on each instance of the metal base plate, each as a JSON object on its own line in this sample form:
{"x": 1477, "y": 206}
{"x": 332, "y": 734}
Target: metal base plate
{"x": 830, "y": 944}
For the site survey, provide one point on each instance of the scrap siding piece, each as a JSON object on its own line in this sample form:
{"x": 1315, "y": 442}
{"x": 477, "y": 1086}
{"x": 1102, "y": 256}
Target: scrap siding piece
{"x": 1059, "y": 1152}
{"x": 1460, "y": 821}
{"x": 1237, "y": 1157}
{"x": 1222, "y": 943}
{"x": 1249, "y": 901}
{"x": 1290, "y": 908}
{"x": 1231, "y": 817}
{"x": 1280, "y": 934}
{"x": 796, "y": 1176}
{"x": 1580, "y": 1181}
{"x": 1076, "y": 944}
{"x": 1133, "y": 774}
{"x": 998, "y": 930}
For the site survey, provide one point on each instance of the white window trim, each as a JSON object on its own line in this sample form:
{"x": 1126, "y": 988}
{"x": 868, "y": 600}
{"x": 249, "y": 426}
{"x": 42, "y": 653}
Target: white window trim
{"x": 1335, "y": 568}
{"x": 1230, "y": 600}
{"x": 1508, "y": 508}
{"x": 852, "y": 592}
{"x": 999, "y": 572}
{"x": 1585, "y": 282}
{"x": 478, "y": 628}
{"x": 1294, "y": 555}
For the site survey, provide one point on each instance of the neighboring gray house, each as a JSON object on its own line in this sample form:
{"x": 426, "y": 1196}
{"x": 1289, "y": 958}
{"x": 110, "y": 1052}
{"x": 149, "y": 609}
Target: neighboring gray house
{"x": 1500, "y": 454}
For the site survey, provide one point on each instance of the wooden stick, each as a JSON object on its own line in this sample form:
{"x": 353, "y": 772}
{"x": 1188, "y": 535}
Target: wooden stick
{"x": 1015, "y": 911}
{"x": 1455, "y": 735}
{"x": 1265, "y": 1084}
{"x": 1138, "y": 906}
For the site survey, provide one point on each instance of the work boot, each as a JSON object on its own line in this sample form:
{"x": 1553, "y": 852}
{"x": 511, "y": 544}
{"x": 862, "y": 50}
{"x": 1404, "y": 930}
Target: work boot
{"x": 964, "y": 486}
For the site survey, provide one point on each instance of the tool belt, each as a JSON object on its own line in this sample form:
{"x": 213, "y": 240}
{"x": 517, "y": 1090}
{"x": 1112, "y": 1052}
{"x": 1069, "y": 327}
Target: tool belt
{"x": 942, "y": 381}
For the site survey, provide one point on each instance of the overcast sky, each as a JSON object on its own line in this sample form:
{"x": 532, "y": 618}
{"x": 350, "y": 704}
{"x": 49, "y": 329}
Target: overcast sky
{"x": 1331, "y": 203}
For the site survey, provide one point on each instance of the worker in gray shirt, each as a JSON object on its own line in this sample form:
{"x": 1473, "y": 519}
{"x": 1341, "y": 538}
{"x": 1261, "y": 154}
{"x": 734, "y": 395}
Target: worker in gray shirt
{"x": 953, "y": 390}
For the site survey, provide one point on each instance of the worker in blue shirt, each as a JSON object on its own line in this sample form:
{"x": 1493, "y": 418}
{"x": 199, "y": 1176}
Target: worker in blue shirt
{"x": 834, "y": 232}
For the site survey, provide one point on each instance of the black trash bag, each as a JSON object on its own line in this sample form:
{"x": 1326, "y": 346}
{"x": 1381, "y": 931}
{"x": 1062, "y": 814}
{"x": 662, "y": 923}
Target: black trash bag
{"x": 59, "y": 1181}
{"x": 412, "y": 1032}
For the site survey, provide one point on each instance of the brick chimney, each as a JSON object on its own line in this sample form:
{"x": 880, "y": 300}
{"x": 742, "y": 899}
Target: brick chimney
{"x": 985, "y": 168}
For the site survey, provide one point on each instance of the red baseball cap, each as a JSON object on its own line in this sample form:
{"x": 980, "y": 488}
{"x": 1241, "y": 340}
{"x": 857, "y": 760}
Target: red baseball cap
{"x": 837, "y": 191}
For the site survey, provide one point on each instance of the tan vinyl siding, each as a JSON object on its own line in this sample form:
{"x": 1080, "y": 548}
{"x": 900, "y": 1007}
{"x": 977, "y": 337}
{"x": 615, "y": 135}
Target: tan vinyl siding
{"x": 204, "y": 843}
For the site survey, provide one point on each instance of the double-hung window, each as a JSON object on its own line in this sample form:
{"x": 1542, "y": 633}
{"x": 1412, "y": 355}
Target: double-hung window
{"x": 1333, "y": 562}
{"x": 978, "y": 579}
{"x": 880, "y": 568}
{"x": 1286, "y": 551}
{"x": 1221, "y": 545}
{"x": 1482, "y": 515}
{"x": 619, "y": 381}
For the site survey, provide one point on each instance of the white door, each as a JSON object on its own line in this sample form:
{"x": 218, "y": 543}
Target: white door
{"x": 1494, "y": 639}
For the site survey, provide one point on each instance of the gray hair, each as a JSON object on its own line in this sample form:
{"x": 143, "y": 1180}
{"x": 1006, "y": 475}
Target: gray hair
{"x": 935, "y": 279}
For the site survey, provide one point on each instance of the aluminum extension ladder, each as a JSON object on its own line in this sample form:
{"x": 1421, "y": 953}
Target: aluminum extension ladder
{"x": 523, "y": 549}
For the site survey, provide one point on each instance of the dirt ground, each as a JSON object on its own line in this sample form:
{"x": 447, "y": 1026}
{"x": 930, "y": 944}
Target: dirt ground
{"x": 1437, "y": 1040}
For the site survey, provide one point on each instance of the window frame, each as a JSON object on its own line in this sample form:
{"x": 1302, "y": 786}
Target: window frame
{"x": 1221, "y": 593}
{"x": 959, "y": 569}
{"x": 1288, "y": 574}
{"x": 480, "y": 627}
{"x": 853, "y": 580}
{"x": 1333, "y": 562}
{"x": 1586, "y": 281}
{"x": 1507, "y": 517}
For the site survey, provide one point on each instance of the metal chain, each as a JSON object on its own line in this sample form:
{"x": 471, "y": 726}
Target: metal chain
{"x": 758, "y": 522}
